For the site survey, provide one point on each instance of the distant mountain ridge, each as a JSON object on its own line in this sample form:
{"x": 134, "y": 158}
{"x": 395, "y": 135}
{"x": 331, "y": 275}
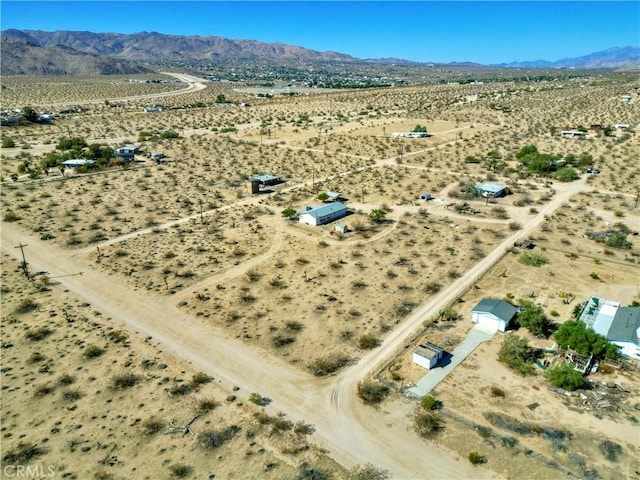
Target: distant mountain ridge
{"x": 19, "y": 57}
{"x": 153, "y": 47}
{"x": 616, "y": 57}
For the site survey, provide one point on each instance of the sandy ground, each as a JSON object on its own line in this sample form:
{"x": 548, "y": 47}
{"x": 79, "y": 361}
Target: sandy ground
{"x": 239, "y": 286}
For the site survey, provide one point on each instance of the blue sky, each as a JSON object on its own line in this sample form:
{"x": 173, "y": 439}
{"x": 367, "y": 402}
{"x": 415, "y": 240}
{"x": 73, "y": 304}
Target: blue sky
{"x": 482, "y": 32}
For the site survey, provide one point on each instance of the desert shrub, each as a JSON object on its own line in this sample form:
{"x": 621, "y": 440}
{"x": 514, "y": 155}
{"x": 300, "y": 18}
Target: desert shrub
{"x": 368, "y": 341}
{"x": 92, "y": 351}
{"x": 428, "y": 424}
{"x": 517, "y": 355}
{"x": 301, "y": 428}
{"x": 448, "y": 314}
{"x": 38, "y": 334}
{"x": 72, "y": 395}
{"x": 201, "y": 378}
{"x": 27, "y": 305}
{"x": 610, "y": 450}
{"x": 253, "y": 276}
{"x": 329, "y": 364}
{"x": 428, "y": 402}
{"x": 497, "y": 392}
{"x": 509, "y": 441}
{"x": 372, "y": 392}
{"x": 152, "y": 425}
{"x": 565, "y": 377}
{"x": 282, "y": 340}
{"x": 42, "y": 390}
{"x": 207, "y": 404}
{"x": 294, "y": 326}
{"x": 180, "y": 389}
{"x": 213, "y": 439}
{"x": 8, "y": 142}
{"x": 66, "y": 379}
{"x": 124, "y": 380}
{"x": 11, "y": 216}
{"x": 307, "y": 471}
{"x": 23, "y": 454}
{"x": 368, "y": 472}
{"x": 180, "y": 470}
{"x": 36, "y": 357}
{"x": 532, "y": 259}
{"x": 257, "y": 399}
{"x": 476, "y": 459}
{"x": 432, "y": 287}
{"x": 507, "y": 423}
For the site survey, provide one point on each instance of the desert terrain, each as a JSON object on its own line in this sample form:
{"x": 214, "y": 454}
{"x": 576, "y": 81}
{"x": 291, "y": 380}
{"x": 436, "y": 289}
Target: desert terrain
{"x": 321, "y": 311}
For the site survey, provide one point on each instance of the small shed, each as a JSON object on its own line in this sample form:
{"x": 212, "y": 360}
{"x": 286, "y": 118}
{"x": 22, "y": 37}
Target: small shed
{"x": 341, "y": 228}
{"x": 426, "y": 197}
{"x": 427, "y": 355}
{"x": 266, "y": 179}
{"x": 493, "y": 314}
{"x": 334, "y": 196}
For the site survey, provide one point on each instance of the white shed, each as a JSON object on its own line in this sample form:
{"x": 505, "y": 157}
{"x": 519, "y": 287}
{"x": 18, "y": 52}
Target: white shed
{"x": 427, "y": 355}
{"x": 493, "y": 314}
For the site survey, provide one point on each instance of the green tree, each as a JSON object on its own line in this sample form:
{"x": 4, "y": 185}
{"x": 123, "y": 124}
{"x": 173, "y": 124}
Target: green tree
{"x": 516, "y": 353}
{"x": 419, "y": 128}
{"x": 527, "y": 150}
{"x": 533, "y": 318}
{"x": 8, "y": 142}
{"x": 29, "y": 114}
{"x": 377, "y": 215}
{"x": 323, "y": 197}
{"x": 618, "y": 240}
{"x": 428, "y": 402}
{"x": 73, "y": 143}
{"x": 576, "y": 335}
{"x": 221, "y": 98}
{"x": 169, "y": 134}
{"x": 289, "y": 213}
{"x": 565, "y": 377}
{"x": 565, "y": 174}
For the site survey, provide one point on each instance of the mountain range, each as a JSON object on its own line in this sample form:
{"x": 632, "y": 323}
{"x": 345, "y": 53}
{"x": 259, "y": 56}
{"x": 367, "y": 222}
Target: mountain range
{"x": 81, "y": 52}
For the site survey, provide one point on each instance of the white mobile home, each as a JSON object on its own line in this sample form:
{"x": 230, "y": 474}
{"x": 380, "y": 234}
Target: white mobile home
{"x": 324, "y": 214}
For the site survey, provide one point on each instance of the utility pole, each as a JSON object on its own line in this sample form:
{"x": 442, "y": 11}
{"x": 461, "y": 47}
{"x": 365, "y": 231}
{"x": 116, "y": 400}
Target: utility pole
{"x": 24, "y": 261}
{"x": 313, "y": 181}
{"x": 201, "y": 216}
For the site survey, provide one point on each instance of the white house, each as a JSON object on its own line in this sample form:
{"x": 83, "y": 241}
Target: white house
{"x": 493, "y": 314}
{"x": 621, "y": 325}
{"x": 411, "y": 135}
{"x": 75, "y": 163}
{"x": 324, "y": 214}
{"x": 427, "y": 355}
{"x": 493, "y": 190}
{"x": 572, "y": 133}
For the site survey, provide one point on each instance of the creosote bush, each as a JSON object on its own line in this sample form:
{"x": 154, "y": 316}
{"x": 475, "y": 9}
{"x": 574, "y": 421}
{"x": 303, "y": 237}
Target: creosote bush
{"x": 372, "y": 392}
{"x": 124, "y": 381}
{"x": 213, "y": 439}
{"x": 327, "y": 365}
{"x": 532, "y": 259}
{"x": 476, "y": 459}
{"x": 427, "y": 424}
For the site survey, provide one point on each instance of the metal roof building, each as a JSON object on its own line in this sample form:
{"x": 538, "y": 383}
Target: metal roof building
{"x": 621, "y": 325}
{"x": 323, "y": 214}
